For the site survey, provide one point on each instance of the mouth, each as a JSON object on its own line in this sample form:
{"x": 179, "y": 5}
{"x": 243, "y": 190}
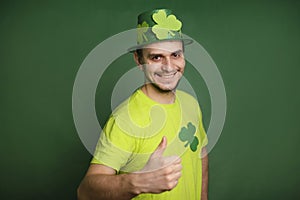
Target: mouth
{"x": 166, "y": 75}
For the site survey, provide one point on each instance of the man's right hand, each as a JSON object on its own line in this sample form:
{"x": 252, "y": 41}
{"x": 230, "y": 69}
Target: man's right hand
{"x": 160, "y": 173}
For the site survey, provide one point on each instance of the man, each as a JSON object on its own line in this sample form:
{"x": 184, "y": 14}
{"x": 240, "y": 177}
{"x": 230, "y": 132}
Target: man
{"x": 151, "y": 146}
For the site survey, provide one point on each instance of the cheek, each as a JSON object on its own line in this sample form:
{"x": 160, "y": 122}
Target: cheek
{"x": 181, "y": 65}
{"x": 152, "y": 68}
{"x": 148, "y": 72}
{"x": 141, "y": 68}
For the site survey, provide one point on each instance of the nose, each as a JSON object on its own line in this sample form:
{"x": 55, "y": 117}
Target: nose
{"x": 167, "y": 65}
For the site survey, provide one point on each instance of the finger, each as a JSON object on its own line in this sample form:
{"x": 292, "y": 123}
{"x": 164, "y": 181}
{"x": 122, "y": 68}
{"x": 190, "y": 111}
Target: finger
{"x": 176, "y": 175}
{"x": 177, "y": 168}
{"x": 171, "y": 160}
{"x": 160, "y": 148}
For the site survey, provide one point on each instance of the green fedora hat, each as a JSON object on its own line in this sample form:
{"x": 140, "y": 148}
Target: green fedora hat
{"x": 156, "y": 26}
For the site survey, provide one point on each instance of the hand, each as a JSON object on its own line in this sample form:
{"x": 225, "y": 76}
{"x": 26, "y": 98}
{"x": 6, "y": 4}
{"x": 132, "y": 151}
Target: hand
{"x": 161, "y": 173}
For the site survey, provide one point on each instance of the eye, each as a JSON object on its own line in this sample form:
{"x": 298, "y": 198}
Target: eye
{"x": 156, "y": 58}
{"x": 176, "y": 55}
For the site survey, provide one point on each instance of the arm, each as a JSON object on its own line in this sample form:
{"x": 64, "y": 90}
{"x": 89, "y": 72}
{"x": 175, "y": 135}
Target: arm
{"x": 101, "y": 182}
{"x": 204, "y": 189}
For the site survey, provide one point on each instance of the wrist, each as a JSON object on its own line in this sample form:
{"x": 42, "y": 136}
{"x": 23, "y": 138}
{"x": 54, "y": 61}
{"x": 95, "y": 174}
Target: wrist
{"x": 132, "y": 184}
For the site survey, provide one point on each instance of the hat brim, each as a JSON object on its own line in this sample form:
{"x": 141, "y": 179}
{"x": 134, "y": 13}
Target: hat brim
{"x": 141, "y": 46}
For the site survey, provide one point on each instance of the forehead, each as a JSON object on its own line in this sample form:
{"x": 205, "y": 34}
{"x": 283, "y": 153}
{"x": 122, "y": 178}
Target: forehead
{"x": 165, "y": 46}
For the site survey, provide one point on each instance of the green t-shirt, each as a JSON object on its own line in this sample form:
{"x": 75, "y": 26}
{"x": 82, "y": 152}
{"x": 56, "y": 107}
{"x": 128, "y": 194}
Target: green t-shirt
{"x": 135, "y": 129}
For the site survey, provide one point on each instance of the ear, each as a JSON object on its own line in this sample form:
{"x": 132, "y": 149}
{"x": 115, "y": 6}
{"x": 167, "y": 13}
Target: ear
{"x": 136, "y": 59}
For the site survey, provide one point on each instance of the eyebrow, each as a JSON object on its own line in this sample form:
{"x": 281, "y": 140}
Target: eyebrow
{"x": 160, "y": 54}
{"x": 177, "y": 52}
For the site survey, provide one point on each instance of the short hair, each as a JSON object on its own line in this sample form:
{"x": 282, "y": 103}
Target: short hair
{"x": 139, "y": 53}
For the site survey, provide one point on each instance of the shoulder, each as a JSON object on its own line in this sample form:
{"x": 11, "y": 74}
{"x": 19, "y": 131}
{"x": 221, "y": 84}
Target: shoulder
{"x": 133, "y": 102}
{"x": 188, "y": 103}
{"x": 132, "y": 112}
{"x": 185, "y": 97}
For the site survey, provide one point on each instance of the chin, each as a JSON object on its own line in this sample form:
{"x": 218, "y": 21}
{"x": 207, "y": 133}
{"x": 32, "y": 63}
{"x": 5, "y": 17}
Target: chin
{"x": 165, "y": 88}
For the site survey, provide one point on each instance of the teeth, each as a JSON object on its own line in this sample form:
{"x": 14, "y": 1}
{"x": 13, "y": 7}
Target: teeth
{"x": 166, "y": 75}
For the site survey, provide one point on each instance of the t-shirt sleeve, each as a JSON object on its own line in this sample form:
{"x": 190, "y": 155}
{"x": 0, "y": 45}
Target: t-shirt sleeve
{"x": 202, "y": 132}
{"x": 114, "y": 147}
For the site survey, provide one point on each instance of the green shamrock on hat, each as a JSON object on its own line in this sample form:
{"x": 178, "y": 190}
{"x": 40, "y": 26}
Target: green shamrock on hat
{"x": 165, "y": 25}
{"x": 141, "y": 30}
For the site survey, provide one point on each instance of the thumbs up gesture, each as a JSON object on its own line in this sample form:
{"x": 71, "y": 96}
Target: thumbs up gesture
{"x": 161, "y": 173}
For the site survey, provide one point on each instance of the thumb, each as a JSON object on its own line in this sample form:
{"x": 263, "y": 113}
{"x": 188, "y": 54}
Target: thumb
{"x": 160, "y": 148}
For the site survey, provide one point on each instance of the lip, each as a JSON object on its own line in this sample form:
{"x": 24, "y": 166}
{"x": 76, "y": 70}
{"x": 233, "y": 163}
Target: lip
{"x": 166, "y": 76}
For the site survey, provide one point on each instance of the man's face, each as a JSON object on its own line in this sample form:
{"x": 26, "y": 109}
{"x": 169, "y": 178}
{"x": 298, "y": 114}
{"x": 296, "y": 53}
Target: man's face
{"x": 163, "y": 64}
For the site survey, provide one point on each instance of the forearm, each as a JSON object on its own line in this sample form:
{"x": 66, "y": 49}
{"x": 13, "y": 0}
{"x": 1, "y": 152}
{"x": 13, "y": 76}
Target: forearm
{"x": 127, "y": 186}
{"x": 102, "y": 186}
{"x": 204, "y": 189}
{"x": 160, "y": 174}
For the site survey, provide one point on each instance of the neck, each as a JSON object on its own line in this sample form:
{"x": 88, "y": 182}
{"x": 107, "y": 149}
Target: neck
{"x": 163, "y": 97}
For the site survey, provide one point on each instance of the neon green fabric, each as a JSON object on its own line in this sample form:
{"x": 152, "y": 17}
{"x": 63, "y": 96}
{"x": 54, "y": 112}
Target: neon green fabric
{"x": 156, "y": 26}
{"x": 137, "y": 126}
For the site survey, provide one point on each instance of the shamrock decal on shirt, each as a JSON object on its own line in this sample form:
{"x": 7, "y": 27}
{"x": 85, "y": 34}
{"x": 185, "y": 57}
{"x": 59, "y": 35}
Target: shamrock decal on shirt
{"x": 187, "y": 135}
{"x": 165, "y": 25}
{"x": 141, "y": 30}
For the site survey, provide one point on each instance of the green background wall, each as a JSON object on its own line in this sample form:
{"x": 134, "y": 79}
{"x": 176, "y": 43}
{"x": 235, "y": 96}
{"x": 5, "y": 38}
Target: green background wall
{"x": 255, "y": 45}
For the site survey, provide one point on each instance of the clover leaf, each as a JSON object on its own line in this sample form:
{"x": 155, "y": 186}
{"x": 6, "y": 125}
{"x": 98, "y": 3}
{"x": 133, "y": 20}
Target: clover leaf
{"x": 165, "y": 25}
{"x": 187, "y": 134}
{"x": 141, "y": 30}
{"x": 194, "y": 144}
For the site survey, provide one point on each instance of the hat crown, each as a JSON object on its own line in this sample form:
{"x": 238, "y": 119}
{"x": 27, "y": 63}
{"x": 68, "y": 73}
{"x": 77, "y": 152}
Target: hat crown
{"x": 147, "y": 15}
{"x": 158, "y": 25}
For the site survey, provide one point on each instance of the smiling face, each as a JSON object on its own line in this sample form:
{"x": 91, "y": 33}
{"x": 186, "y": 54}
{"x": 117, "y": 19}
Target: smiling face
{"x": 163, "y": 64}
